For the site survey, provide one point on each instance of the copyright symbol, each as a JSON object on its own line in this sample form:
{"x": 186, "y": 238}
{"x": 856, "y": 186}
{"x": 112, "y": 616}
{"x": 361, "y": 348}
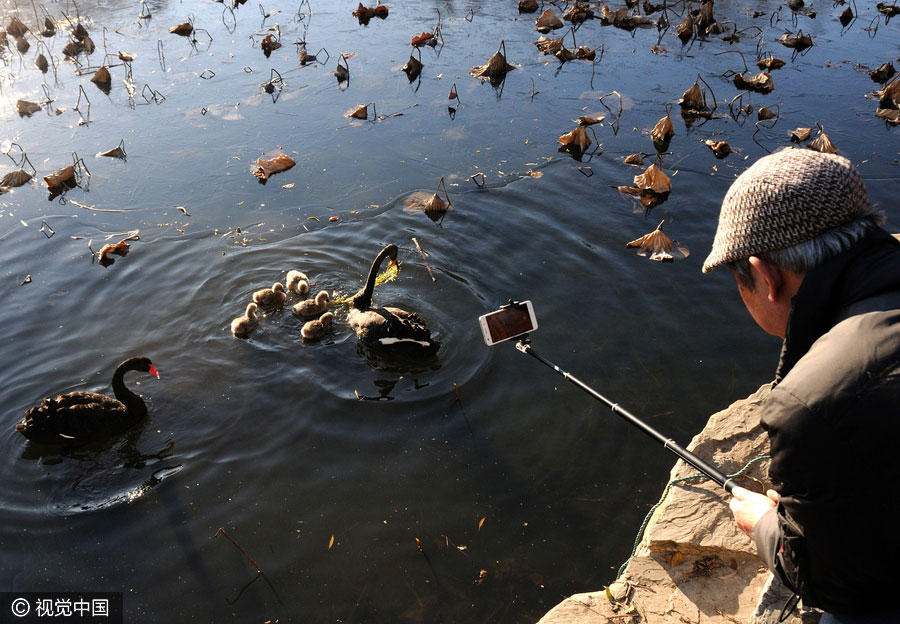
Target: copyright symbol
{"x": 20, "y": 607}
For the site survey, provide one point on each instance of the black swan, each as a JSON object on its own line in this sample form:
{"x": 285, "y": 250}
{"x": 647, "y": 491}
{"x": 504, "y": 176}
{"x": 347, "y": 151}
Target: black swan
{"x": 315, "y": 330}
{"x": 297, "y": 282}
{"x": 270, "y": 297}
{"x": 80, "y": 417}
{"x": 243, "y": 326}
{"x": 390, "y": 328}
{"x": 312, "y": 307}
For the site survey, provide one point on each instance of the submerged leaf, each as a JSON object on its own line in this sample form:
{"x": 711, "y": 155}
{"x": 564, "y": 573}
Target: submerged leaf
{"x": 654, "y": 179}
{"x": 267, "y": 167}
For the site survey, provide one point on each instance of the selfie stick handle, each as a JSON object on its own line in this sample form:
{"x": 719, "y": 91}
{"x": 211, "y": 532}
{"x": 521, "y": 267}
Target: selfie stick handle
{"x": 710, "y": 471}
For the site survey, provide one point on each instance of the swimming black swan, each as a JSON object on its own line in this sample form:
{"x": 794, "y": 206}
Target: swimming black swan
{"x": 270, "y": 297}
{"x": 243, "y": 326}
{"x": 315, "y": 330}
{"x": 80, "y": 417}
{"x": 389, "y": 328}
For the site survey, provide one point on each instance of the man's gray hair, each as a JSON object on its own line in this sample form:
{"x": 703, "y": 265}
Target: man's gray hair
{"x": 802, "y": 257}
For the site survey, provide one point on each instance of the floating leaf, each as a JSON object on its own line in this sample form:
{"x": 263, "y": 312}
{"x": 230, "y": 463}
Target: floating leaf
{"x": 634, "y": 159}
{"x": 549, "y": 46}
{"x": 267, "y": 167}
{"x": 116, "y": 152}
{"x": 548, "y": 21}
{"x": 797, "y": 42}
{"x": 761, "y": 82}
{"x": 654, "y": 179}
{"x": 798, "y": 135}
{"x": 269, "y": 44}
{"x": 720, "y": 149}
{"x": 883, "y": 73}
{"x": 342, "y": 72}
{"x": 770, "y": 63}
{"x": 888, "y": 10}
{"x": 62, "y": 179}
{"x": 822, "y": 143}
{"x": 26, "y": 109}
{"x": 496, "y": 67}
{"x": 184, "y": 29}
{"x": 577, "y": 139}
{"x": 589, "y": 120}
{"x": 15, "y": 178}
{"x": 579, "y": 12}
{"x": 126, "y": 57}
{"x": 424, "y": 39}
{"x": 360, "y": 112}
{"x": 765, "y": 113}
{"x": 528, "y": 6}
{"x": 659, "y": 246}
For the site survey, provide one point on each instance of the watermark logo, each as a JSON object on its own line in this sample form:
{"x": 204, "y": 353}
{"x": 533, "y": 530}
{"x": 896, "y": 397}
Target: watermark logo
{"x": 61, "y": 608}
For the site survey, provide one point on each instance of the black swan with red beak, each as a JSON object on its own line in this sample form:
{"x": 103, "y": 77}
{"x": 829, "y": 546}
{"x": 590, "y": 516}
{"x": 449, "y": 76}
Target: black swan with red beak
{"x": 385, "y": 328}
{"x": 80, "y": 417}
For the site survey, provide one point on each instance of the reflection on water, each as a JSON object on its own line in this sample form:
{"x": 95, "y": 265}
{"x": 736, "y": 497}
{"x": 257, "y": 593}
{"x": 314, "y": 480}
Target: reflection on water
{"x": 470, "y": 486}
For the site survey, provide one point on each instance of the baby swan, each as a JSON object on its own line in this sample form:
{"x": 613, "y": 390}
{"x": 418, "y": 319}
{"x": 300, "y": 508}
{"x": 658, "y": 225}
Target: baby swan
{"x": 243, "y": 326}
{"x": 270, "y": 297}
{"x": 297, "y": 282}
{"x": 312, "y": 307}
{"x": 314, "y": 330}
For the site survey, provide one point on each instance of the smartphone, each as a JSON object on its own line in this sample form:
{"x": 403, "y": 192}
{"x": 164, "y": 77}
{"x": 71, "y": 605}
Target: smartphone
{"x": 510, "y": 321}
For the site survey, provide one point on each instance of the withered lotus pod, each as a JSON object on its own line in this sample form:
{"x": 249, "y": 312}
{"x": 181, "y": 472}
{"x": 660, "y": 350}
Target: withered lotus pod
{"x": 798, "y": 41}
{"x": 41, "y": 63}
{"x": 883, "y": 73}
{"x": 692, "y": 99}
{"x": 654, "y": 179}
{"x": 16, "y": 28}
{"x": 22, "y": 45}
{"x": 15, "y": 178}
{"x": 659, "y": 246}
{"x": 266, "y": 167}
{"x": 770, "y": 63}
{"x": 822, "y": 143}
{"x": 549, "y": 46}
{"x": 685, "y": 30}
{"x": 360, "y": 112}
{"x": 26, "y": 108}
{"x": 888, "y": 10}
{"x": 528, "y": 6}
{"x": 496, "y": 67}
{"x": 765, "y": 113}
{"x": 798, "y": 135}
{"x": 846, "y": 17}
{"x": 434, "y": 203}
{"x": 720, "y": 149}
{"x": 413, "y": 68}
{"x": 102, "y": 79}
{"x": 761, "y": 82}
{"x": 183, "y": 29}
{"x": 662, "y": 131}
{"x": 62, "y": 179}
{"x": 576, "y": 140}
{"x": 548, "y": 21}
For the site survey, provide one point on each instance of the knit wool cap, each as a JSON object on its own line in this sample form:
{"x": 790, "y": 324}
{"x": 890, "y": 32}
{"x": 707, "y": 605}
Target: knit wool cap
{"x": 783, "y": 199}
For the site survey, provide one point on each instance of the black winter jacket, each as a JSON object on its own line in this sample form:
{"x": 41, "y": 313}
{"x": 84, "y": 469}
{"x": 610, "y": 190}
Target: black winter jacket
{"x": 833, "y": 419}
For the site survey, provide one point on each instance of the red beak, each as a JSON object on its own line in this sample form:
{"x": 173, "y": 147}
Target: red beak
{"x": 153, "y": 371}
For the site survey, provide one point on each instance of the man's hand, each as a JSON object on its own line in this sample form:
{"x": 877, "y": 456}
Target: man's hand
{"x": 748, "y": 507}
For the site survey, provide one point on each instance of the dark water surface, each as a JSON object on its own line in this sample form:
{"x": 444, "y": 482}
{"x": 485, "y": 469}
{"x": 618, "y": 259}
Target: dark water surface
{"x": 518, "y": 474}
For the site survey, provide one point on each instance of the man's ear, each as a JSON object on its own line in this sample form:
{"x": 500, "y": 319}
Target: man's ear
{"x": 772, "y": 277}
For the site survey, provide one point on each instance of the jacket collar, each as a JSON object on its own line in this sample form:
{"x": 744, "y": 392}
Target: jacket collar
{"x": 869, "y": 268}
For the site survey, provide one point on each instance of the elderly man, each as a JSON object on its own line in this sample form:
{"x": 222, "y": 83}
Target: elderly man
{"x": 814, "y": 267}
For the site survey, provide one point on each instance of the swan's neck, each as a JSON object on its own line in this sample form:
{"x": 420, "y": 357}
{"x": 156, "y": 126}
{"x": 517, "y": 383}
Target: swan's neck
{"x": 363, "y": 300}
{"x": 132, "y": 401}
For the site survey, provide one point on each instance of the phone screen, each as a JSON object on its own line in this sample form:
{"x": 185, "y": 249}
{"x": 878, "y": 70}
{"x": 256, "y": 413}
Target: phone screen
{"x": 509, "y": 323}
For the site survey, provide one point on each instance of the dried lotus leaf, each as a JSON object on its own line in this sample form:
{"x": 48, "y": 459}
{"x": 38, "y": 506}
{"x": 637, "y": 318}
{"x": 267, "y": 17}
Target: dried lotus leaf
{"x": 663, "y": 130}
{"x": 549, "y": 46}
{"x": 126, "y": 57}
{"x": 765, "y": 113}
{"x": 16, "y": 28}
{"x": 183, "y": 29}
{"x": 413, "y": 68}
{"x": 88, "y": 45}
{"x": 120, "y": 249}
{"x": 798, "y": 135}
{"x": 846, "y": 17}
{"x": 266, "y": 167}
{"x": 692, "y": 98}
{"x": 579, "y": 12}
{"x": 822, "y": 143}
{"x": 883, "y": 73}
{"x": 306, "y": 57}
{"x": 360, "y": 112}
{"x": 117, "y": 152}
{"x": 62, "y": 179}
{"x": 363, "y": 12}
{"x": 634, "y": 159}
{"x": 890, "y": 115}
{"x": 889, "y": 97}
{"x": 654, "y": 179}
{"x": 73, "y": 49}
{"x": 423, "y": 39}
{"x": 797, "y": 42}
{"x": 590, "y": 120}
{"x": 102, "y": 78}
{"x": 565, "y": 54}
{"x": 586, "y": 53}
{"x": 685, "y": 30}
{"x": 15, "y": 178}
{"x": 770, "y": 63}
{"x": 22, "y": 45}
{"x": 888, "y": 10}
{"x": 548, "y": 21}
{"x": 381, "y": 11}
{"x": 577, "y": 139}
{"x": 26, "y": 109}
{"x": 496, "y": 67}
{"x": 41, "y": 63}
{"x": 269, "y": 44}
{"x": 79, "y": 32}
{"x": 528, "y": 6}
{"x": 761, "y": 82}
{"x": 659, "y": 246}
{"x": 720, "y": 149}
{"x": 435, "y": 204}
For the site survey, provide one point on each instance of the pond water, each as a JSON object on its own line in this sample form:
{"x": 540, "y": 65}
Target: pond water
{"x": 325, "y": 463}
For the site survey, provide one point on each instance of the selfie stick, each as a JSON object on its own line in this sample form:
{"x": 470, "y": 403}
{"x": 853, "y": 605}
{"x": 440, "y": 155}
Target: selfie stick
{"x": 729, "y": 484}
